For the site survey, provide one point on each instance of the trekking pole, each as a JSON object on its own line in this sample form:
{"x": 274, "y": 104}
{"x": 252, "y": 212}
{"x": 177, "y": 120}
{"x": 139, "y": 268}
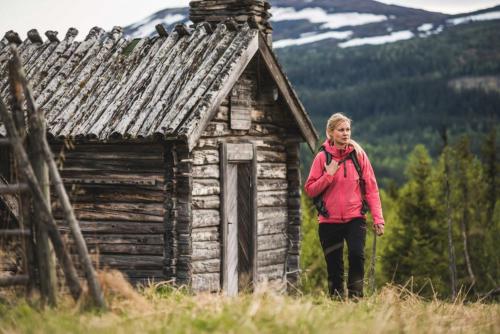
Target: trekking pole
{"x": 372, "y": 264}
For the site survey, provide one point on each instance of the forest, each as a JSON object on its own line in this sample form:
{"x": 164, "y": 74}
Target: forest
{"x": 458, "y": 189}
{"x": 403, "y": 94}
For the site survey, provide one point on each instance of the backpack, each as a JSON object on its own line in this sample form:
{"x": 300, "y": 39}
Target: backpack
{"x": 318, "y": 200}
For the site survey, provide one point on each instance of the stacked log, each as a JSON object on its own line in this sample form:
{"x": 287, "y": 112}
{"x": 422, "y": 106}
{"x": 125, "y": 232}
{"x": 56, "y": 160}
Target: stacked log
{"x": 241, "y": 11}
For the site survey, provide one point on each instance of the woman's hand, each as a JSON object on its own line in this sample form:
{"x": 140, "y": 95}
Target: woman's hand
{"x": 332, "y": 167}
{"x": 379, "y": 229}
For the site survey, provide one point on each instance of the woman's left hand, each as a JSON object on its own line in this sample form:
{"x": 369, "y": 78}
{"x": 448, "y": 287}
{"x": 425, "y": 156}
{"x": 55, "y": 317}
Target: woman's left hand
{"x": 379, "y": 229}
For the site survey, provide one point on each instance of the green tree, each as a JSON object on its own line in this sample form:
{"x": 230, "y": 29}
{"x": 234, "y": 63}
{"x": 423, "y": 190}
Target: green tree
{"x": 416, "y": 247}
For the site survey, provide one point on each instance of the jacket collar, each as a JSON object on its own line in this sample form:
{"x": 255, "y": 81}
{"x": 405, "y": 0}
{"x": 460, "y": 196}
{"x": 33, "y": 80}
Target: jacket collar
{"x": 337, "y": 152}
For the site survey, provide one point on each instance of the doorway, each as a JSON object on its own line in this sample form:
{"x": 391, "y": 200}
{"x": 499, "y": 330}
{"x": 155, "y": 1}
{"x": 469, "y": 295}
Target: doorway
{"x": 238, "y": 213}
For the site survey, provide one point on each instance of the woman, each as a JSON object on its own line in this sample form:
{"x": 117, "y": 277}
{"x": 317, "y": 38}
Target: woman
{"x": 339, "y": 185}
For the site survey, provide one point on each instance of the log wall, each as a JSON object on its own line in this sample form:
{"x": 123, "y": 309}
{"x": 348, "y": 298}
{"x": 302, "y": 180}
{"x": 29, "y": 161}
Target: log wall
{"x": 278, "y": 184}
{"x": 117, "y": 193}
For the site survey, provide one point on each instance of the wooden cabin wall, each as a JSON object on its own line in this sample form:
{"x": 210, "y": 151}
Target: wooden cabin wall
{"x": 117, "y": 193}
{"x": 278, "y": 185}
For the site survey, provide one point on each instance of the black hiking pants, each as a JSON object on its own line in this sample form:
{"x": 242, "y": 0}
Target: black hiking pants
{"x": 332, "y": 238}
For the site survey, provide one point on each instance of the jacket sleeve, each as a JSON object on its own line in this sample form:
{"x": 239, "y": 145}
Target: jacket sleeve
{"x": 372, "y": 193}
{"x": 318, "y": 180}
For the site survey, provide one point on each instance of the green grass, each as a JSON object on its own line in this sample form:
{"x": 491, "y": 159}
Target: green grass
{"x": 160, "y": 308}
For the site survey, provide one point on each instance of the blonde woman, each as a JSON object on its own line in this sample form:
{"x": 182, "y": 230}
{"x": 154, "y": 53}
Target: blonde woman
{"x": 344, "y": 191}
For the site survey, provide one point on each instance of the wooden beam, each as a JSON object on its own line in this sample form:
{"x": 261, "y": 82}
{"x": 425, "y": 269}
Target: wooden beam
{"x": 13, "y": 188}
{"x": 286, "y": 90}
{"x": 15, "y": 232}
{"x": 10, "y": 280}
{"x": 4, "y": 141}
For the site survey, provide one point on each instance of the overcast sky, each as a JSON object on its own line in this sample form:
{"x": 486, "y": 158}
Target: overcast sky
{"x": 59, "y": 15}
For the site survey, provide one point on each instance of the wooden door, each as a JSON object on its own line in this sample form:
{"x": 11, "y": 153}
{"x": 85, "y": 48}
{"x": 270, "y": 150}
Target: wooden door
{"x": 238, "y": 212}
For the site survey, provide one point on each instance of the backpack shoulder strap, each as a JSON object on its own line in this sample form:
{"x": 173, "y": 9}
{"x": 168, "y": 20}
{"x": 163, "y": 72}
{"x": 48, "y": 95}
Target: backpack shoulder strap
{"x": 327, "y": 154}
{"x": 354, "y": 157}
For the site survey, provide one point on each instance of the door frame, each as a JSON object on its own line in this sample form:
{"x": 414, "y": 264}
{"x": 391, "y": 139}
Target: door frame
{"x": 242, "y": 152}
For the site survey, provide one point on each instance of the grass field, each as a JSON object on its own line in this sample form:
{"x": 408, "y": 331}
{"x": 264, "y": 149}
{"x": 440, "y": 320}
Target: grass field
{"x": 160, "y": 308}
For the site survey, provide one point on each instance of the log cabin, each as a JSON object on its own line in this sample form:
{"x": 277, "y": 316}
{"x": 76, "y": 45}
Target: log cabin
{"x": 181, "y": 151}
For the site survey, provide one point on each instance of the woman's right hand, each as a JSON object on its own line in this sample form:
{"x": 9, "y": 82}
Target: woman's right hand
{"x": 332, "y": 167}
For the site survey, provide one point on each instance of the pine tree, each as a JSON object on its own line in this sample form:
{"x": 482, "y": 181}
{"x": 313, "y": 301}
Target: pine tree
{"x": 415, "y": 248}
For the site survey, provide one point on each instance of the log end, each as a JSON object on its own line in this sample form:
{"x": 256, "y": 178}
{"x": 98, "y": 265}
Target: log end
{"x": 72, "y": 33}
{"x": 160, "y": 29}
{"x": 34, "y": 36}
{"x": 94, "y": 33}
{"x": 13, "y": 37}
{"x": 52, "y": 36}
{"x": 182, "y": 30}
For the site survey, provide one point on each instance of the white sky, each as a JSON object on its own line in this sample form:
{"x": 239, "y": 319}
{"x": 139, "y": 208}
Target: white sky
{"x": 59, "y": 15}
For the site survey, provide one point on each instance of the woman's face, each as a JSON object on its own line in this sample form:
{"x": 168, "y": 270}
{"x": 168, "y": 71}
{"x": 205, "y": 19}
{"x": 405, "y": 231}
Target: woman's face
{"x": 341, "y": 134}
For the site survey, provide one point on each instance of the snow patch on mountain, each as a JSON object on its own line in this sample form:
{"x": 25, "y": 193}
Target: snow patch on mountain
{"x": 311, "y": 38}
{"x": 478, "y": 17}
{"x": 319, "y": 15}
{"x": 376, "y": 40}
{"x": 425, "y": 27}
{"x": 147, "y": 26}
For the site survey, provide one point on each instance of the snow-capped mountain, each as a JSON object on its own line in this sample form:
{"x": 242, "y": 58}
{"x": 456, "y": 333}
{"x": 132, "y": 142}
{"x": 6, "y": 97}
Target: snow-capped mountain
{"x": 346, "y": 23}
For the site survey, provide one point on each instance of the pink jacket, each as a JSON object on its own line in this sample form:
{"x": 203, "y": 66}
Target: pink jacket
{"x": 342, "y": 194}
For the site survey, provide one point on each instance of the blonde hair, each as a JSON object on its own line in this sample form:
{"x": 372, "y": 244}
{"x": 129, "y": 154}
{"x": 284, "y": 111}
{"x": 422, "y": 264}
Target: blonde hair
{"x": 334, "y": 121}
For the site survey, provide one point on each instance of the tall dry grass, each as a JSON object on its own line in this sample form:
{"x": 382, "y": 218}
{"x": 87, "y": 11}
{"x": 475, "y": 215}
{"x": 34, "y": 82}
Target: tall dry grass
{"x": 162, "y": 308}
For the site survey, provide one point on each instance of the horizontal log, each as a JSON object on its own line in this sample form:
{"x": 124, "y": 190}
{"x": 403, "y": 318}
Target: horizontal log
{"x": 205, "y": 156}
{"x": 271, "y": 184}
{"x": 114, "y": 165}
{"x": 11, "y": 280}
{"x": 272, "y": 198}
{"x": 269, "y": 257}
{"x": 204, "y": 187}
{"x": 128, "y": 249}
{"x": 205, "y": 218}
{"x": 271, "y": 156}
{"x": 117, "y": 212}
{"x": 143, "y": 273}
{"x": 206, "y": 202}
{"x": 112, "y": 177}
{"x": 128, "y": 239}
{"x": 205, "y": 250}
{"x": 271, "y": 170}
{"x": 93, "y": 179}
{"x": 15, "y": 232}
{"x": 208, "y": 282}
{"x": 272, "y": 241}
{"x": 131, "y": 261}
{"x": 206, "y": 266}
{"x": 13, "y": 188}
{"x": 4, "y": 141}
{"x": 205, "y": 171}
{"x": 116, "y": 227}
{"x": 114, "y": 193}
{"x": 205, "y": 234}
{"x": 270, "y": 272}
{"x": 270, "y": 214}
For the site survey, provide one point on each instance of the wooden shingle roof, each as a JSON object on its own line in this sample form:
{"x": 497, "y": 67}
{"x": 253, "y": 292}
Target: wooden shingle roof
{"x": 108, "y": 86}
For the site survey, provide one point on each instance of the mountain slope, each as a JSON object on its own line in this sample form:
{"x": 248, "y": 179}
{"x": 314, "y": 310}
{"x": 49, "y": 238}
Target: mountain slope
{"x": 404, "y": 93}
{"x": 293, "y": 19}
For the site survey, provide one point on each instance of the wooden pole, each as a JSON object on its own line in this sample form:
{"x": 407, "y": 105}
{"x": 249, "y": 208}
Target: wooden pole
{"x": 26, "y": 169}
{"x": 37, "y": 119}
{"x": 44, "y": 249}
{"x": 25, "y": 203}
{"x": 69, "y": 215}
